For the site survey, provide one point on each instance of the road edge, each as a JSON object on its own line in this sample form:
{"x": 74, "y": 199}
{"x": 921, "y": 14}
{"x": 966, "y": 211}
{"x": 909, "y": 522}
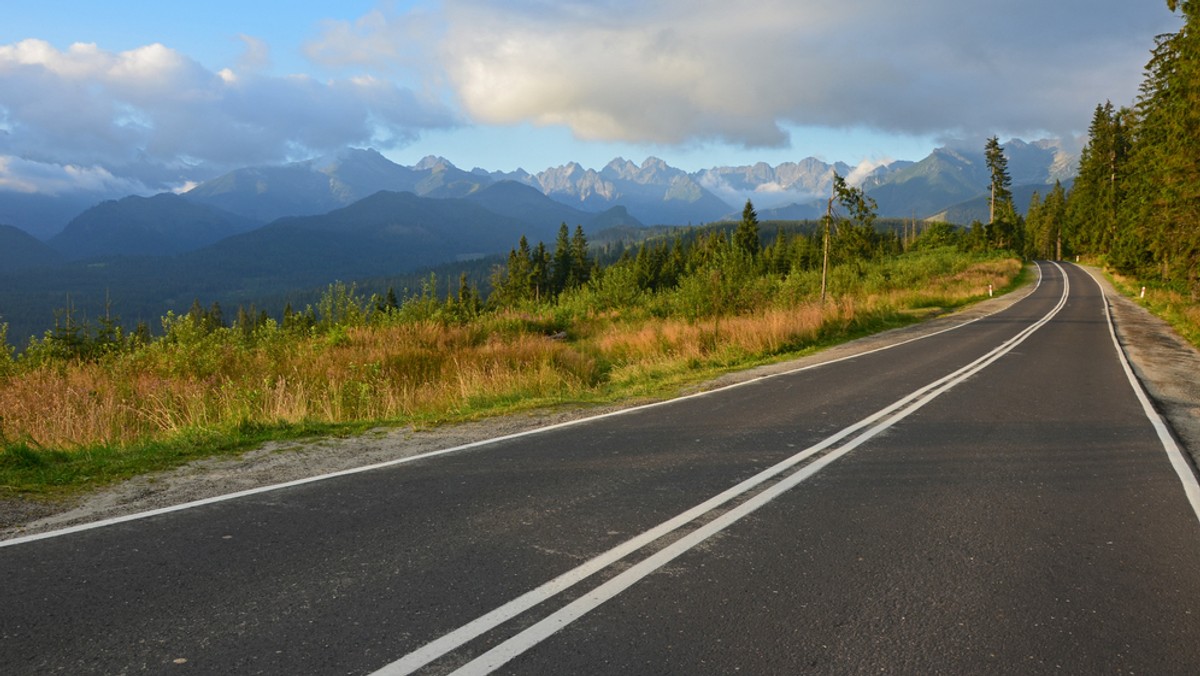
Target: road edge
{"x": 1165, "y": 364}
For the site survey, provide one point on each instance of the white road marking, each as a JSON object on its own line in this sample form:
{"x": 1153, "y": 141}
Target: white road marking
{"x": 538, "y": 632}
{"x": 1183, "y": 469}
{"x": 484, "y": 442}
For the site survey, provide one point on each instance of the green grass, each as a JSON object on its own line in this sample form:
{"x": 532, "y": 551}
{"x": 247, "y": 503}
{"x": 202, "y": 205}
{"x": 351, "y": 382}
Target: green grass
{"x": 28, "y": 470}
{"x": 577, "y": 372}
{"x": 1165, "y": 302}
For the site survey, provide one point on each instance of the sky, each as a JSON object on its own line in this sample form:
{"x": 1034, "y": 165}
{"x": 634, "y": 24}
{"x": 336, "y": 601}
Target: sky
{"x": 135, "y": 96}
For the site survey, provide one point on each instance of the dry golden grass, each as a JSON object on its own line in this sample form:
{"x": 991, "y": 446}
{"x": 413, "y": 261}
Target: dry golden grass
{"x": 768, "y": 332}
{"x": 377, "y": 374}
{"x": 422, "y": 371}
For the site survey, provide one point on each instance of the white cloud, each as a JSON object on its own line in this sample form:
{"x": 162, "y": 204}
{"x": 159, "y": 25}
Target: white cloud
{"x": 864, "y": 170}
{"x": 382, "y": 39}
{"x": 21, "y": 175}
{"x": 184, "y": 187}
{"x": 152, "y": 115}
{"x": 257, "y": 55}
{"x": 694, "y": 71}
{"x": 683, "y": 73}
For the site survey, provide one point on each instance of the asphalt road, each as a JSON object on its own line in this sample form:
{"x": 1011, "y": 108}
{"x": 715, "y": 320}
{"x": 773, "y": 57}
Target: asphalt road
{"x": 991, "y": 499}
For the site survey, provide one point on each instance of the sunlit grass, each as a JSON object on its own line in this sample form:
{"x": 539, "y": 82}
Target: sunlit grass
{"x": 76, "y": 423}
{"x": 1177, "y": 309}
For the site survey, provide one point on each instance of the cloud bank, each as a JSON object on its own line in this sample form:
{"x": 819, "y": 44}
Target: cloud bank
{"x": 688, "y": 71}
{"x": 672, "y": 73}
{"x": 153, "y": 116}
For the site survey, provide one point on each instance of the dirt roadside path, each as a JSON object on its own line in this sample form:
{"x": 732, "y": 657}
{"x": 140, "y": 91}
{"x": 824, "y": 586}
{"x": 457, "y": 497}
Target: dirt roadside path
{"x": 1165, "y": 363}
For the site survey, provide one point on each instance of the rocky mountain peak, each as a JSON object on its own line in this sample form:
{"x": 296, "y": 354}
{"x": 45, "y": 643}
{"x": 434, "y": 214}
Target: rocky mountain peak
{"x": 434, "y": 163}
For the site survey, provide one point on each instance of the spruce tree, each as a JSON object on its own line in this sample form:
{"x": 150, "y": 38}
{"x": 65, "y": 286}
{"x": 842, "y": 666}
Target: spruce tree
{"x": 745, "y": 237}
{"x": 1002, "y": 216}
{"x": 1097, "y": 196}
{"x": 540, "y": 265}
{"x": 512, "y": 283}
{"x": 1034, "y": 228}
{"x": 581, "y": 261}
{"x": 562, "y": 261}
{"x": 1163, "y": 206}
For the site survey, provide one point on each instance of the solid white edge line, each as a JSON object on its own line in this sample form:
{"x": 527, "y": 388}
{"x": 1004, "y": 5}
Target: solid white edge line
{"x": 23, "y": 539}
{"x": 444, "y": 644}
{"x": 1183, "y": 469}
{"x": 509, "y": 649}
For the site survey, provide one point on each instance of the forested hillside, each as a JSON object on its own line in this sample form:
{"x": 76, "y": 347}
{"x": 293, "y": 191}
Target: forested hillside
{"x": 565, "y": 321}
{"x": 1136, "y": 201}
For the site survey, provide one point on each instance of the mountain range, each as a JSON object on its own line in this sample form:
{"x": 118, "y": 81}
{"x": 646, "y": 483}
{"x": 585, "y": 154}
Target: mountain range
{"x": 653, "y": 192}
{"x": 268, "y": 230}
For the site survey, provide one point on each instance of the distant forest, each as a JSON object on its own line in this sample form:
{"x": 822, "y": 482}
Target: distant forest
{"x": 129, "y": 293}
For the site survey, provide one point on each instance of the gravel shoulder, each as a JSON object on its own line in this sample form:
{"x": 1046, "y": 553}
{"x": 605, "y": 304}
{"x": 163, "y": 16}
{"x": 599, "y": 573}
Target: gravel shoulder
{"x": 1164, "y": 362}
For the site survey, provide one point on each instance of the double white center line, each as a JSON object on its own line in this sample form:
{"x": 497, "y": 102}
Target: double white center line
{"x": 853, "y": 436}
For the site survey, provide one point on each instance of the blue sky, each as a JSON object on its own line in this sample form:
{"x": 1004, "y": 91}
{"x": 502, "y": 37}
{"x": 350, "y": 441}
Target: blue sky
{"x": 163, "y": 93}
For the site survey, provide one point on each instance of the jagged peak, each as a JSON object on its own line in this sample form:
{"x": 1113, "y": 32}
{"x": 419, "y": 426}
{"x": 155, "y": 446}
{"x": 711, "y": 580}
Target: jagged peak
{"x": 434, "y": 163}
{"x": 653, "y": 162}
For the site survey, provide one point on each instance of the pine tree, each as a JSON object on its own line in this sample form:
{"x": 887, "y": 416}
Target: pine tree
{"x": 1097, "y": 197}
{"x": 216, "y": 318}
{"x": 1002, "y": 219}
{"x": 1054, "y": 221}
{"x": 1034, "y": 228}
{"x": 540, "y": 266}
{"x": 512, "y": 282}
{"x": 468, "y": 296}
{"x": 196, "y": 313}
{"x": 1163, "y": 204}
{"x": 745, "y": 237}
{"x": 563, "y": 261}
{"x": 778, "y": 254}
{"x": 141, "y": 335}
{"x": 581, "y": 261}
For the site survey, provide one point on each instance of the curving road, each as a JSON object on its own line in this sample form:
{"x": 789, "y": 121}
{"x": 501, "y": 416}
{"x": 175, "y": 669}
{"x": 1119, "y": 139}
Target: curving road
{"x": 995, "y": 498}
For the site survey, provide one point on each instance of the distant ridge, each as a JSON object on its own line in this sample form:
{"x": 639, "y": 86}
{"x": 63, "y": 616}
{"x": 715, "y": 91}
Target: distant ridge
{"x": 160, "y": 225}
{"x": 21, "y": 251}
{"x": 652, "y": 192}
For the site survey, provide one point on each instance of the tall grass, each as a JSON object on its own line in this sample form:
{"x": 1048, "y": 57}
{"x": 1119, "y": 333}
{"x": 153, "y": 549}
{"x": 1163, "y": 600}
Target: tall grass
{"x": 1178, "y": 309}
{"x": 226, "y": 387}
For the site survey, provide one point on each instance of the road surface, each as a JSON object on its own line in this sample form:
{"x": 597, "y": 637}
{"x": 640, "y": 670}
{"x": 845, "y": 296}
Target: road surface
{"x": 994, "y": 498}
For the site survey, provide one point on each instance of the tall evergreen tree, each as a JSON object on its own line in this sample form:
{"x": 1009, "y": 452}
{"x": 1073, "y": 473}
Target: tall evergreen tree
{"x": 512, "y": 282}
{"x": 1163, "y": 205}
{"x": 581, "y": 260}
{"x": 745, "y": 237}
{"x": 1054, "y": 221}
{"x": 1034, "y": 228}
{"x": 1003, "y": 222}
{"x": 563, "y": 261}
{"x": 1098, "y": 192}
{"x": 540, "y": 265}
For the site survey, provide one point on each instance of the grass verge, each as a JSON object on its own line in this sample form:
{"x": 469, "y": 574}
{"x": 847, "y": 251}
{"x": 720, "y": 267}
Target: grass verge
{"x": 72, "y": 426}
{"x": 1177, "y": 309}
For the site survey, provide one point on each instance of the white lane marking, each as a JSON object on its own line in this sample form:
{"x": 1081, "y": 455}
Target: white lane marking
{"x": 1191, "y": 487}
{"x": 538, "y": 632}
{"x": 476, "y": 444}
